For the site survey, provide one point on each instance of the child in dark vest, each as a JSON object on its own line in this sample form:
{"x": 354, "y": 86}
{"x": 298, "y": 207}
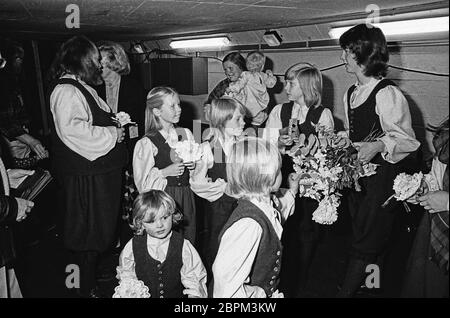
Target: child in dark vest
{"x": 248, "y": 261}
{"x": 210, "y": 179}
{"x": 167, "y": 263}
{"x": 301, "y": 233}
{"x": 155, "y": 165}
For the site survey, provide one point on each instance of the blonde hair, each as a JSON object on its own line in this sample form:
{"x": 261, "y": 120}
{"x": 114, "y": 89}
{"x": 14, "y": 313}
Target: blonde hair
{"x": 155, "y": 99}
{"x": 255, "y": 61}
{"x": 115, "y": 57}
{"x": 148, "y": 205}
{"x": 310, "y": 80}
{"x": 221, "y": 111}
{"x": 252, "y": 168}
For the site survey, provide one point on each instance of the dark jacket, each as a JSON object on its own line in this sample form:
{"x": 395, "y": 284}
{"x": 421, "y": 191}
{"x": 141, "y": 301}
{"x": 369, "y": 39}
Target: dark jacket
{"x": 8, "y": 215}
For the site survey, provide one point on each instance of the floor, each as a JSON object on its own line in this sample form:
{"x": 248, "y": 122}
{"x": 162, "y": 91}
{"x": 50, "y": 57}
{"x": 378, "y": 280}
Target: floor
{"x": 42, "y": 262}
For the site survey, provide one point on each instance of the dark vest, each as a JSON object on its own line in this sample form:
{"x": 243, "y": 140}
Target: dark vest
{"x": 312, "y": 117}
{"x": 163, "y": 160}
{"x": 363, "y": 120}
{"x": 266, "y": 267}
{"x": 67, "y": 161}
{"x": 219, "y": 168}
{"x": 162, "y": 279}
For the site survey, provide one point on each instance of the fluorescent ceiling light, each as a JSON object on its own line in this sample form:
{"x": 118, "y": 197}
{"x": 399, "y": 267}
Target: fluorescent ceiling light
{"x": 416, "y": 26}
{"x": 200, "y": 43}
{"x": 272, "y": 38}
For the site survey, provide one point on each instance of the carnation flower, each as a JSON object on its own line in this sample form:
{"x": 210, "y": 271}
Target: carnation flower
{"x": 326, "y": 213}
{"x": 405, "y": 186}
{"x": 188, "y": 150}
{"x": 123, "y": 119}
{"x": 131, "y": 288}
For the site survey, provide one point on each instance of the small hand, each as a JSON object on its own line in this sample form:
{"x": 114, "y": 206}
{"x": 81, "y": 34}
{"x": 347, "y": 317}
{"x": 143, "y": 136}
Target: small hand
{"x": 190, "y": 165}
{"x": 368, "y": 150}
{"x": 285, "y": 140}
{"x": 15, "y": 174}
{"x": 120, "y": 134}
{"x": 174, "y": 170}
{"x": 435, "y": 201}
{"x": 423, "y": 189}
{"x": 23, "y": 208}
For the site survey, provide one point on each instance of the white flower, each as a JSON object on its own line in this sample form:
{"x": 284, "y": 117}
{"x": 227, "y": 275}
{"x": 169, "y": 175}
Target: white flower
{"x": 369, "y": 169}
{"x": 188, "y": 151}
{"x": 326, "y": 213}
{"x": 131, "y": 288}
{"x": 123, "y": 118}
{"x": 405, "y": 185}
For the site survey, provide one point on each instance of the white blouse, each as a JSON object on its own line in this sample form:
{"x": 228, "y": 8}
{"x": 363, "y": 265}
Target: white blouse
{"x": 73, "y": 121}
{"x": 273, "y": 124}
{"x": 146, "y": 175}
{"x": 193, "y": 273}
{"x": 237, "y": 253}
{"x": 395, "y": 118}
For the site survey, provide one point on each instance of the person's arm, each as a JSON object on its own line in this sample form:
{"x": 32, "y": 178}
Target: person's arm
{"x": 273, "y": 125}
{"x": 146, "y": 175}
{"x": 126, "y": 268}
{"x": 73, "y": 124}
{"x": 234, "y": 261}
{"x": 8, "y": 210}
{"x": 199, "y": 181}
{"x": 399, "y": 139}
{"x": 193, "y": 273}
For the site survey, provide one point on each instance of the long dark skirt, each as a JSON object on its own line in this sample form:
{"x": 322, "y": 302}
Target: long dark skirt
{"x": 372, "y": 224}
{"x": 424, "y": 279}
{"x": 185, "y": 201}
{"x": 89, "y": 211}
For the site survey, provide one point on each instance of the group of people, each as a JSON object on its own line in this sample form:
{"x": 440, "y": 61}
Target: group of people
{"x": 256, "y": 229}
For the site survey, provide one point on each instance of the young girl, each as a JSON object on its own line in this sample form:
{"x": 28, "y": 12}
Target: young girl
{"x": 251, "y": 87}
{"x": 248, "y": 261}
{"x": 226, "y": 126}
{"x": 373, "y": 104}
{"x": 167, "y": 264}
{"x": 301, "y": 233}
{"x": 154, "y": 164}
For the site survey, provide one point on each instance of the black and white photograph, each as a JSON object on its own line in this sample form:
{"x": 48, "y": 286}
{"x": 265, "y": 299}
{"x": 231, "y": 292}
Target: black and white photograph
{"x": 255, "y": 152}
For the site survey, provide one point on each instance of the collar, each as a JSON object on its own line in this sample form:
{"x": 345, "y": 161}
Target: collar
{"x": 153, "y": 241}
{"x": 267, "y": 207}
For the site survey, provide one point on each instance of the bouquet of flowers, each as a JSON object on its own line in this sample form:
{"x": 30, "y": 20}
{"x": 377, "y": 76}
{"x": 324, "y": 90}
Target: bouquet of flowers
{"x": 131, "y": 288}
{"x": 327, "y": 164}
{"x": 405, "y": 186}
{"x": 122, "y": 119}
{"x": 188, "y": 150}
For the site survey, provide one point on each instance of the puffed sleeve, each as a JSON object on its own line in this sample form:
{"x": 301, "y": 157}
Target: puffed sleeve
{"x": 234, "y": 261}
{"x": 73, "y": 124}
{"x": 399, "y": 138}
{"x": 326, "y": 119}
{"x": 201, "y": 185}
{"x": 146, "y": 175}
{"x": 273, "y": 125}
{"x": 126, "y": 263}
{"x": 193, "y": 273}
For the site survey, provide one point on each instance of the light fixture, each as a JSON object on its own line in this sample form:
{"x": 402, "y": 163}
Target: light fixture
{"x": 272, "y": 38}
{"x": 200, "y": 43}
{"x": 415, "y": 26}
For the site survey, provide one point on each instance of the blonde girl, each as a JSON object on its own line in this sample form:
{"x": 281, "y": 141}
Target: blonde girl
{"x": 167, "y": 263}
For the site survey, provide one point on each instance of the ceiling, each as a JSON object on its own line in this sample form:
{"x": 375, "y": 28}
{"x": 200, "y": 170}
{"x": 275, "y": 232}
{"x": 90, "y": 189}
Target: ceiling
{"x": 163, "y": 19}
